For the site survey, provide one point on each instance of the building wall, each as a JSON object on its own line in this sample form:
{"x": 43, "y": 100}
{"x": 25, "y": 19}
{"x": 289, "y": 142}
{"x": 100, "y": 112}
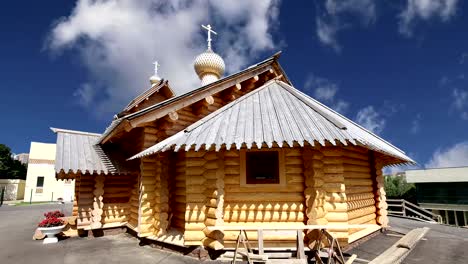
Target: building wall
{"x": 14, "y": 189}
{"x": 329, "y": 185}
{"x": 41, "y": 164}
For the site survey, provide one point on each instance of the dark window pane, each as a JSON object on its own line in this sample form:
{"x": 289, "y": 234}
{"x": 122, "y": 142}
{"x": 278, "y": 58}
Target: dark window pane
{"x": 262, "y": 167}
{"x": 40, "y": 181}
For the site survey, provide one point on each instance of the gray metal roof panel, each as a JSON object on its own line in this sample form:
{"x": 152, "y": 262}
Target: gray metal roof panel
{"x": 274, "y": 113}
{"x": 78, "y": 151}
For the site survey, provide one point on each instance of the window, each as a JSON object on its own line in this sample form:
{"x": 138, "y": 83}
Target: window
{"x": 40, "y": 184}
{"x": 265, "y": 167}
{"x": 40, "y": 181}
{"x": 262, "y": 167}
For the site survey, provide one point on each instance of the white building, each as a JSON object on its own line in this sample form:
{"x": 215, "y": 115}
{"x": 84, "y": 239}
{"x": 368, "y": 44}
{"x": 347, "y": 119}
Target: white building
{"x": 41, "y": 184}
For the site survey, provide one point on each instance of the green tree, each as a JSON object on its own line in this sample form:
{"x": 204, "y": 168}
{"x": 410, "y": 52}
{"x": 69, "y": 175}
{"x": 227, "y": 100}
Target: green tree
{"x": 10, "y": 168}
{"x": 397, "y": 187}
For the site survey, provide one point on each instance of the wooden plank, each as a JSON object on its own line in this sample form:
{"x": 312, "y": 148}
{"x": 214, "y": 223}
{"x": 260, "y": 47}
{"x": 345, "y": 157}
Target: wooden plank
{"x": 287, "y": 227}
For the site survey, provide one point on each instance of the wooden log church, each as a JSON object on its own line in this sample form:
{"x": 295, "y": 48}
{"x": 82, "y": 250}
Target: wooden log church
{"x": 246, "y": 149}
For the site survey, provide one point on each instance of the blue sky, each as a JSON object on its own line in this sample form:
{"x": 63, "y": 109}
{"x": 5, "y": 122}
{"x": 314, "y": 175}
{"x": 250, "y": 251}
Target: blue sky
{"x": 397, "y": 67}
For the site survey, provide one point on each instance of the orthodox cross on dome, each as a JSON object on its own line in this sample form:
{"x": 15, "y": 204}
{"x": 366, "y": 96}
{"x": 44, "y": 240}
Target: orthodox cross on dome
{"x": 209, "y": 30}
{"x": 156, "y": 66}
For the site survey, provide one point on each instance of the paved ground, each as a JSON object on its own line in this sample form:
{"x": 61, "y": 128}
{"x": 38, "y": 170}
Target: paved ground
{"x": 442, "y": 244}
{"x": 17, "y": 225}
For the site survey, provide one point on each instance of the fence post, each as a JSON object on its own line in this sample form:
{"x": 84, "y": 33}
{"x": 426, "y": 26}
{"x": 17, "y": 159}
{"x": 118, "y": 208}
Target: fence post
{"x": 30, "y": 197}
{"x": 403, "y": 206}
{"x": 52, "y": 199}
{"x": 2, "y": 196}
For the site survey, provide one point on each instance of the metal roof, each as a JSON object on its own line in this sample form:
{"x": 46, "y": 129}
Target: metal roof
{"x": 275, "y": 113}
{"x": 169, "y": 101}
{"x": 77, "y": 151}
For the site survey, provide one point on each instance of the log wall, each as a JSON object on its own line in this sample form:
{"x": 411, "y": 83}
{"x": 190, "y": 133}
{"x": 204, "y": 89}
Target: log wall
{"x": 85, "y": 200}
{"x": 134, "y": 205}
{"x": 315, "y": 196}
{"x": 178, "y": 196}
{"x": 379, "y": 192}
{"x": 281, "y": 205}
{"x": 149, "y": 184}
{"x": 359, "y": 185}
{"x": 335, "y": 188}
{"x": 195, "y": 213}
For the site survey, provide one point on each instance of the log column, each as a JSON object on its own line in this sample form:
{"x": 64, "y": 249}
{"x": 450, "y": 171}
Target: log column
{"x": 97, "y": 204}
{"x": 214, "y": 182}
{"x": 161, "y": 205}
{"x": 149, "y": 169}
{"x": 334, "y": 185}
{"x": 314, "y": 194}
{"x": 196, "y": 198}
{"x": 379, "y": 191}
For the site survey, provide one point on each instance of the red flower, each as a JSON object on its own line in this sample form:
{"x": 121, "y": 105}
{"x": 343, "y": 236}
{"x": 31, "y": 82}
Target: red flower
{"x": 55, "y": 214}
{"x": 51, "y": 222}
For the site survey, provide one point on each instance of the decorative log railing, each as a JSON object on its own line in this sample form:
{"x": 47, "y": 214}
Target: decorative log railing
{"x": 401, "y": 207}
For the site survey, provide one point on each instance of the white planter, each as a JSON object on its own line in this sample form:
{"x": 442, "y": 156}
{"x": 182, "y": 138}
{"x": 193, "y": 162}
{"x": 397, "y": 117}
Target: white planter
{"x": 50, "y": 232}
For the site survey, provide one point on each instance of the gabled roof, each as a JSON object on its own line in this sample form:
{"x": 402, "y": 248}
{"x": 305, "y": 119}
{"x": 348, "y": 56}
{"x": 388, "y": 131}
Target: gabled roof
{"x": 155, "y": 88}
{"x": 163, "y": 108}
{"x": 275, "y": 113}
{"x": 77, "y": 151}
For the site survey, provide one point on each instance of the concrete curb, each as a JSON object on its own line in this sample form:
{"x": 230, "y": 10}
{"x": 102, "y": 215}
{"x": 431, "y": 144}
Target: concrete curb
{"x": 398, "y": 251}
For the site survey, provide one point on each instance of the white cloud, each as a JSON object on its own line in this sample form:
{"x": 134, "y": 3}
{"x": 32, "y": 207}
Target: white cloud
{"x": 118, "y": 39}
{"x": 334, "y": 17}
{"x": 325, "y": 91}
{"x": 425, "y": 10}
{"x": 416, "y": 124}
{"x": 460, "y": 102}
{"x": 454, "y": 156}
{"x": 369, "y": 118}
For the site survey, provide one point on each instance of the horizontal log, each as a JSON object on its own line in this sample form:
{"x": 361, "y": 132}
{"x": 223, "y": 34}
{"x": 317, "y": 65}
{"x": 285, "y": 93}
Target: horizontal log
{"x": 278, "y": 206}
{"x": 337, "y": 217}
{"x": 263, "y": 197}
{"x": 362, "y": 219}
{"x": 289, "y": 188}
{"x": 360, "y": 203}
{"x": 359, "y": 196}
{"x": 190, "y": 235}
{"x": 199, "y": 226}
{"x": 334, "y": 187}
{"x": 356, "y": 168}
{"x": 358, "y": 182}
{"x": 359, "y": 189}
{"x": 336, "y": 207}
{"x": 361, "y": 212}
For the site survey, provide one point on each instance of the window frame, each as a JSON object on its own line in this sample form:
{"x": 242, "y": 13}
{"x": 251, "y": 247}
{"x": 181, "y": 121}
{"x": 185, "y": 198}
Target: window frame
{"x": 40, "y": 189}
{"x": 281, "y": 167}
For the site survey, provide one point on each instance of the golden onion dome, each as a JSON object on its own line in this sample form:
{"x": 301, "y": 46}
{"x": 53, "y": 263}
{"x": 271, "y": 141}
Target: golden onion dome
{"x": 210, "y": 63}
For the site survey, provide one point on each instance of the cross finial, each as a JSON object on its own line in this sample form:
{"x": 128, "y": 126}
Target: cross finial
{"x": 209, "y": 30}
{"x": 156, "y": 66}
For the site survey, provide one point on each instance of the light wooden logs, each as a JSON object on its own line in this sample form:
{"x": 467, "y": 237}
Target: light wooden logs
{"x": 97, "y": 204}
{"x": 333, "y": 169}
{"x": 379, "y": 192}
{"x": 196, "y": 198}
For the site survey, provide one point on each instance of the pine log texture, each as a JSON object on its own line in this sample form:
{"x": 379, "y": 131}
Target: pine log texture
{"x": 335, "y": 168}
{"x": 196, "y": 199}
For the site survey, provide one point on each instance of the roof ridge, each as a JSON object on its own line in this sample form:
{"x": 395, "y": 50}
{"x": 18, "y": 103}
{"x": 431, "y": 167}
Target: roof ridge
{"x": 61, "y": 130}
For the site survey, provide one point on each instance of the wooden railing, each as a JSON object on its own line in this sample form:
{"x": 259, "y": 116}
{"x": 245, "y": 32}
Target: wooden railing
{"x": 401, "y": 207}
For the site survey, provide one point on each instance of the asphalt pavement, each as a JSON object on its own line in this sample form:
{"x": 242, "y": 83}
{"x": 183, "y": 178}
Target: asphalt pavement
{"x": 17, "y": 226}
